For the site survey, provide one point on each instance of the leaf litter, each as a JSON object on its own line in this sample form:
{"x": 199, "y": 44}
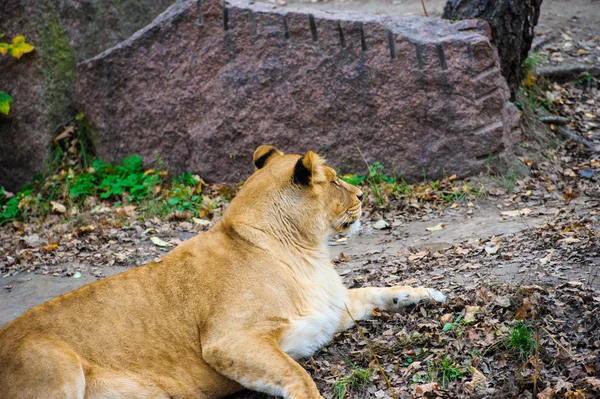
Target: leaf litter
{"x": 543, "y": 277}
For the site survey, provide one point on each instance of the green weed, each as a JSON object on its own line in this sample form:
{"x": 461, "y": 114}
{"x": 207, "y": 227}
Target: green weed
{"x": 586, "y": 80}
{"x": 521, "y": 339}
{"x": 457, "y": 326}
{"x": 385, "y": 187}
{"x": 357, "y": 377}
{"x": 443, "y": 370}
{"x": 126, "y": 183}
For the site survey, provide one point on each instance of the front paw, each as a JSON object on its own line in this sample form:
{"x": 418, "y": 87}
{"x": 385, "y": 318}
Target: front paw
{"x": 405, "y": 296}
{"x": 436, "y": 295}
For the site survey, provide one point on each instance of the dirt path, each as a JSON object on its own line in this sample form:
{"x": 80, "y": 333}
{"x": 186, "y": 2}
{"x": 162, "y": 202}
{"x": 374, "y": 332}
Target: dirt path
{"x": 373, "y": 247}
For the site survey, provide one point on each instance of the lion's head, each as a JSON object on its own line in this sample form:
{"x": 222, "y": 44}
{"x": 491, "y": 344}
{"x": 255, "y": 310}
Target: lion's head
{"x": 295, "y": 194}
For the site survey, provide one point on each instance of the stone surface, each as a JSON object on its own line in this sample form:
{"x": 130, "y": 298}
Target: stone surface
{"x": 204, "y": 85}
{"x": 42, "y": 83}
{"x": 512, "y": 22}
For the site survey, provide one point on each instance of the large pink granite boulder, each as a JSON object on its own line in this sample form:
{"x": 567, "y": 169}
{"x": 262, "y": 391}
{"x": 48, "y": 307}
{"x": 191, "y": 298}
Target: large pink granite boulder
{"x": 207, "y": 82}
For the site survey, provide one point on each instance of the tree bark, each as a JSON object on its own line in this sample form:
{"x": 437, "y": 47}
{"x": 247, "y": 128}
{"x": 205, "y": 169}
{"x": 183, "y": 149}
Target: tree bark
{"x": 512, "y": 22}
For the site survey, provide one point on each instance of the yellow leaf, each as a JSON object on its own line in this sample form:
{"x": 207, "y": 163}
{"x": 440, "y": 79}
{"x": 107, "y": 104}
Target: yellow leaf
{"x": 530, "y": 80}
{"x": 4, "y": 48}
{"x": 437, "y": 227}
{"x": 591, "y": 116}
{"x": 19, "y": 47}
{"x": 49, "y": 248}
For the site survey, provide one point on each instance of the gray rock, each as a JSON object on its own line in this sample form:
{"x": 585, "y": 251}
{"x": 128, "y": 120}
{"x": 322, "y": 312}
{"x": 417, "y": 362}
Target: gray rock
{"x": 42, "y": 83}
{"x": 204, "y": 85}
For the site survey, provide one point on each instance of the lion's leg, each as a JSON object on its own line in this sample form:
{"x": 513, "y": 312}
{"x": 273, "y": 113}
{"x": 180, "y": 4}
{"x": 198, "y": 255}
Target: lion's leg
{"x": 259, "y": 364}
{"x": 362, "y": 301}
{"x": 106, "y": 384}
{"x": 39, "y": 366}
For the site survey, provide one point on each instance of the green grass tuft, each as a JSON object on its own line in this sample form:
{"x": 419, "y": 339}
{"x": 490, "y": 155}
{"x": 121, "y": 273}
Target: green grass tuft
{"x": 521, "y": 339}
{"x": 357, "y": 378}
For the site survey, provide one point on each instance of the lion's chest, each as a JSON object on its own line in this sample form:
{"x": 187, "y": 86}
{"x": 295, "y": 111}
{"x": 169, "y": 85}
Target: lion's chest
{"x": 324, "y": 301}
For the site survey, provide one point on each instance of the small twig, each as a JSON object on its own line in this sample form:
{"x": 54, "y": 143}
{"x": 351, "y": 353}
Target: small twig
{"x": 566, "y": 73}
{"x": 555, "y": 120}
{"x": 567, "y": 134}
{"x": 558, "y": 343}
{"x": 537, "y": 361}
{"x": 541, "y": 42}
{"x": 387, "y": 381}
{"x": 424, "y": 9}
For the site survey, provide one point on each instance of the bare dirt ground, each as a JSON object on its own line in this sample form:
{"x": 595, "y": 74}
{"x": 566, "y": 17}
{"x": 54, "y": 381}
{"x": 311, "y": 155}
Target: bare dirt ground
{"x": 526, "y": 251}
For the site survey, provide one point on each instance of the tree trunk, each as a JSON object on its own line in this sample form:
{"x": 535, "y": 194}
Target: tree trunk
{"x": 512, "y": 23}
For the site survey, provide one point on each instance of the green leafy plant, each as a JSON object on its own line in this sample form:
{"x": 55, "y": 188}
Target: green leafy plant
{"x": 128, "y": 181}
{"x": 384, "y": 187}
{"x": 184, "y": 198}
{"x": 444, "y": 370}
{"x": 521, "y": 339}
{"x": 357, "y": 377}
{"x": 585, "y": 80}
{"x": 5, "y": 101}
{"x": 13, "y": 207}
{"x": 16, "y": 49}
{"x": 453, "y": 325}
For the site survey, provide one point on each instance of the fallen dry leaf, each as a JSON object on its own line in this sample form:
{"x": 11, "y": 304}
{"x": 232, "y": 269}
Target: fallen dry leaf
{"x": 547, "y": 393}
{"x": 447, "y": 318}
{"x": 157, "y": 241}
{"x": 470, "y": 312}
{"x": 381, "y": 224}
{"x": 479, "y": 381}
{"x": 547, "y": 258}
{"x": 422, "y": 389}
{"x": 58, "y": 207}
{"x": 523, "y": 311}
{"x": 437, "y": 227}
{"x": 50, "y": 247}
{"x": 570, "y": 240}
{"x": 518, "y": 212}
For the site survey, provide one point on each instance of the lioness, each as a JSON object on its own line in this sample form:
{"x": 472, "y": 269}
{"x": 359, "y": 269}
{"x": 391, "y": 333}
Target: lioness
{"x": 230, "y": 308}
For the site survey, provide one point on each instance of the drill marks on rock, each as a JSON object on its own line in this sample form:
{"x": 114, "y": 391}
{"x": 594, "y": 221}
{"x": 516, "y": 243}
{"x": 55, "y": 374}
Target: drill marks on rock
{"x": 256, "y": 19}
{"x": 199, "y": 13}
{"x": 419, "y": 53}
{"x": 391, "y": 43}
{"x": 253, "y": 25}
{"x": 341, "y": 35}
{"x": 470, "y": 55}
{"x": 441, "y": 56}
{"x": 486, "y": 96}
{"x": 286, "y": 28}
{"x": 489, "y": 71}
{"x": 363, "y": 40}
{"x": 313, "y": 28}
{"x": 487, "y": 129}
{"x": 225, "y": 18}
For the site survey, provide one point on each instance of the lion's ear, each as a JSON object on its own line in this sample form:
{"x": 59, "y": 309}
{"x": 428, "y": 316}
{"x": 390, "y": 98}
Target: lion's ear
{"x": 265, "y": 153}
{"x": 307, "y": 167}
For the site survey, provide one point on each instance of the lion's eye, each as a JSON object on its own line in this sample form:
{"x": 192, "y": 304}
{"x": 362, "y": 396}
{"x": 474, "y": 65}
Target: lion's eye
{"x": 336, "y": 183}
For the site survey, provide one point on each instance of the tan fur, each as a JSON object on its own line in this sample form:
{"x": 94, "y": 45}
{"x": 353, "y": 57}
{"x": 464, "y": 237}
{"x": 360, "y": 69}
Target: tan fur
{"x": 227, "y": 309}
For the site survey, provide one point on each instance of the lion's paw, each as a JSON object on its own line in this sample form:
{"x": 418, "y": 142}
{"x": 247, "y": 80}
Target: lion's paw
{"x": 436, "y": 295}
